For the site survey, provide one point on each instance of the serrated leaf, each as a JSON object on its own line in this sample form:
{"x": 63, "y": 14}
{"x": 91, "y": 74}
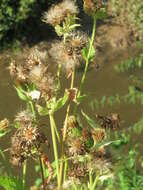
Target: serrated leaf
{"x": 90, "y": 121}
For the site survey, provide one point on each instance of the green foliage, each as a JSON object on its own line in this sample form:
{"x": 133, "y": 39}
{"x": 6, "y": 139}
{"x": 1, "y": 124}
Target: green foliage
{"x": 11, "y": 183}
{"x": 129, "y": 13}
{"x": 14, "y": 15}
{"x": 68, "y": 25}
{"x": 130, "y": 64}
{"x": 52, "y": 105}
{"x": 88, "y": 53}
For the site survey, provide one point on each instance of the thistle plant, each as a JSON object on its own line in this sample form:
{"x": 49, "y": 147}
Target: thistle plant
{"x": 79, "y": 152}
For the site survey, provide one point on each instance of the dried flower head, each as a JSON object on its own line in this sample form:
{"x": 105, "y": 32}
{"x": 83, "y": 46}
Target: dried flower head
{"x": 72, "y": 94}
{"x": 111, "y": 122}
{"x": 75, "y": 146}
{"x": 98, "y": 135}
{"x": 36, "y": 57}
{"x": 24, "y": 118}
{"x": 103, "y": 166}
{"x": 91, "y": 6}
{"x": 72, "y": 122}
{"x": 18, "y": 71}
{"x": 61, "y": 56}
{"x": 68, "y": 53}
{"x": 4, "y": 124}
{"x": 12, "y": 68}
{"x": 74, "y": 44}
{"x": 24, "y": 141}
{"x": 76, "y": 41}
{"x": 57, "y": 13}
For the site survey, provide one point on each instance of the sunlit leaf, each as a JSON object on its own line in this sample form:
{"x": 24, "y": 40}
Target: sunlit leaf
{"x": 60, "y": 103}
{"x": 21, "y": 93}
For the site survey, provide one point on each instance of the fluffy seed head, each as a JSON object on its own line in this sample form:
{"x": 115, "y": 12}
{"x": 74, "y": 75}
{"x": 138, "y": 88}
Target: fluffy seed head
{"x": 69, "y": 54}
{"x": 23, "y": 142}
{"x": 24, "y": 118}
{"x": 58, "y": 12}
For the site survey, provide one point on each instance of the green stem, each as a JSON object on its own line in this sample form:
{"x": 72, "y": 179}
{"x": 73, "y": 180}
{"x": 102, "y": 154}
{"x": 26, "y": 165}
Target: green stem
{"x": 58, "y": 76}
{"x": 87, "y": 60}
{"x": 52, "y": 124}
{"x": 65, "y": 169}
{"x": 95, "y": 182}
{"x": 33, "y": 110}
{"x": 56, "y": 130}
{"x": 24, "y": 174}
{"x": 68, "y": 108}
{"x": 90, "y": 179}
{"x": 65, "y": 132}
{"x": 42, "y": 173}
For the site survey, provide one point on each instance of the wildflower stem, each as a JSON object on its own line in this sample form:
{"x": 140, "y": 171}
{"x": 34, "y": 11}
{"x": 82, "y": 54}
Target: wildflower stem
{"x": 95, "y": 182}
{"x": 90, "y": 179}
{"x": 52, "y": 124}
{"x": 24, "y": 174}
{"x": 65, "y": 169}
{"x": 64, "y": 133}
{"x": 42, "y": 172}
{"x": 32, "y": 109}
{"x": 88, "y": 56}
{"x": 87, "y": 60}
{"x": 68, "y": 108}
{"x": 58, "y": 76}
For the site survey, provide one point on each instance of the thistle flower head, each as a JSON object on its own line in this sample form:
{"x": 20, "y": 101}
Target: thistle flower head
{"x": 75, "y": 146}
{"x": 24, "y": 141}
{"x": 36, "y": 57}
{"x": 74, "y": 44}
{"x": 24, "y": 118}
{"x": 47, "y": 86}
{"x": 91, "y": 6}
{"x": 68, "y": 53}
{"x": 98, "y": 135}
{"x": 57, "y": 13}
{"x": 61, "y": 56}
{"x": 4, "y": 124}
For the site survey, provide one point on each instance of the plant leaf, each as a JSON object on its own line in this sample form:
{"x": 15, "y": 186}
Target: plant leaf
{"x": 43, "y": 111}
{"x": 21, "y": 93}
{"x": 11, "y": 183}
{"x": 90, "y": 121}
{"x": 60, "y": 103}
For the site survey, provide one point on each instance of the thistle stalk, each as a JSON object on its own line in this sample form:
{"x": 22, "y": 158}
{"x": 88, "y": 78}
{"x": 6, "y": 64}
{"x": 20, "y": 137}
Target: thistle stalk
{"x": 42, "y": 173}
{"x": 88, "y": 56}
{"x": 64, "y": 134}
{"x": 87, "y": 59}
{"x": 24, "y": 174}
{"x": 52, "y": 124}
